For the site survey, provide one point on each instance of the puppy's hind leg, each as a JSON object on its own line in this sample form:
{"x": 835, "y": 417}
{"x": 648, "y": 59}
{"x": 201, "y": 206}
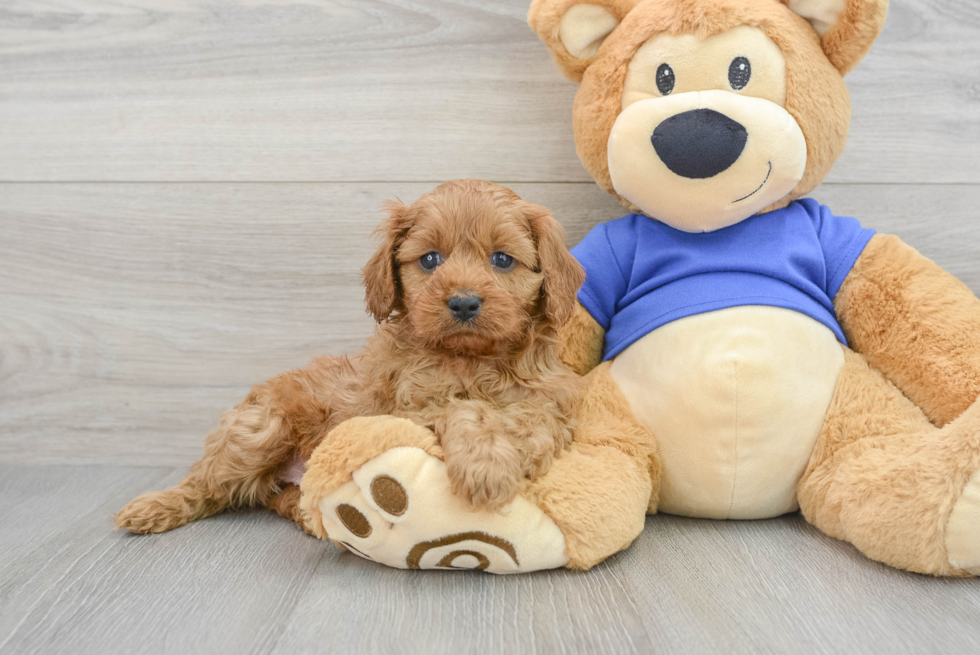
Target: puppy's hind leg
{"x": 238, "y": 469}
{"x": 281, "y": 419}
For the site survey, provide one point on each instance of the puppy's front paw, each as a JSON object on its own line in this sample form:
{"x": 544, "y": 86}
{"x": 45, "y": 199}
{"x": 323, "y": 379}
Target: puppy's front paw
{"x": 484, "y": 485}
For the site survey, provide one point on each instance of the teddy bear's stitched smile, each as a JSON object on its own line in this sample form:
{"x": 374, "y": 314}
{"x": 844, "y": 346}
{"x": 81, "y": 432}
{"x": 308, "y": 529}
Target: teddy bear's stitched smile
{"x": 768, "y": 173}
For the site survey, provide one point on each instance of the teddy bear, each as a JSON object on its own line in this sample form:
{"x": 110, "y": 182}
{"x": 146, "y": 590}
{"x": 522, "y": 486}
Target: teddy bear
{"x": 747, "y": 352}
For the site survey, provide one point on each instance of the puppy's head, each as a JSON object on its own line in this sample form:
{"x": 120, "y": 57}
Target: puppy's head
{"x": 471, "y": 267}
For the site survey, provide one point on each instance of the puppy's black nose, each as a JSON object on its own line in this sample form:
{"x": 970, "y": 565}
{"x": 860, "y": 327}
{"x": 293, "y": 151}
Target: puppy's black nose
{"x": 699, "y": 143}
{"x": 464, "y": 307}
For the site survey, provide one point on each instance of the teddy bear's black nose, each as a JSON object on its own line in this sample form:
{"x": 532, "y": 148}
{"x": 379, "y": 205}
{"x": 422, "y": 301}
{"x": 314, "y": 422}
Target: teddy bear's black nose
{"x": 699, "y": 143}
{"x": 464, "y": 308}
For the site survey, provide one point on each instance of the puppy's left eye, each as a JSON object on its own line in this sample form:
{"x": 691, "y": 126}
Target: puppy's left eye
{"x": 429, "y": 261}
{"x": 502, "y": 261}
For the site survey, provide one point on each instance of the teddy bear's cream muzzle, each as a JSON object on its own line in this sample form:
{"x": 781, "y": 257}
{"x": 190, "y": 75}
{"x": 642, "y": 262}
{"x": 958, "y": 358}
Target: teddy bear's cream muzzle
{"x": 703, "y": 160}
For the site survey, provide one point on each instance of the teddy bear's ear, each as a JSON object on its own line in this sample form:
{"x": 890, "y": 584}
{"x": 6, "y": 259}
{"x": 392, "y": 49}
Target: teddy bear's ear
{"x": 574, "y": 29}
{"x": 847, "y": 28}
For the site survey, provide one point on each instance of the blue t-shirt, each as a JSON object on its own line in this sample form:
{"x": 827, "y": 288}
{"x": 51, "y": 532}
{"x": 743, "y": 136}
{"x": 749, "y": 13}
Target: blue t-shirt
{"x": 641, "y": 273}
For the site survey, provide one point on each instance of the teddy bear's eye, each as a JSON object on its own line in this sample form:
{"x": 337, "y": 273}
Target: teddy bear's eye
{"x": 739, "y": 73}
{"x": 665, "y": 79}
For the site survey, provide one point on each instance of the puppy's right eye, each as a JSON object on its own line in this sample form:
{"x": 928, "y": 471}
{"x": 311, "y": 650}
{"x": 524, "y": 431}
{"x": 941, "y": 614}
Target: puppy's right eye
{"x": 502, "y": 261}
{"x": 429, "y": 261}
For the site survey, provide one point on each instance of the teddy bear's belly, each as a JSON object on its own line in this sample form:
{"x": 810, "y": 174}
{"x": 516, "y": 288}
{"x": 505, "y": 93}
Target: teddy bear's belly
{"x": 736, "y": 399}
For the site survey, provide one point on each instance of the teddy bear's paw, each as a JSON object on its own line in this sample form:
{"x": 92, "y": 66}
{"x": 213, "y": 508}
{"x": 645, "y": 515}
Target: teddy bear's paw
{"x": 400, "y": 511}
{"x": 963, "y": 529}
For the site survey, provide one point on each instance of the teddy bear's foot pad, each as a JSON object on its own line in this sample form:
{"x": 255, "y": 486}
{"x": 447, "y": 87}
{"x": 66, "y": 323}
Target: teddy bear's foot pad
{"x": 399, "y": 510}
{"x": 963, "y": 529}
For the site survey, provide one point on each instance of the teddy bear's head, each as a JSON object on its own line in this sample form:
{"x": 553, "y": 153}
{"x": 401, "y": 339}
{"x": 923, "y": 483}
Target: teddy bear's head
{"x": 701, "y": 113}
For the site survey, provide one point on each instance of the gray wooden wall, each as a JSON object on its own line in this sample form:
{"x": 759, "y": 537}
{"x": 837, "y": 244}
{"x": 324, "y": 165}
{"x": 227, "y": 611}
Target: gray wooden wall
{"x": 187, "y": 188}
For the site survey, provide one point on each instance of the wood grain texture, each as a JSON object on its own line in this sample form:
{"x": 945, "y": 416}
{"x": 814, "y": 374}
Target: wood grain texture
{"x": 134, "y": 308}
{"x": 685, "y": 586}
{"x": 782, "y": 586}
{"x": 426, "y": 90}
{"x": 221, "y": 586}
{"x": 254, "y": 583}
{"x": 133, "y": 314}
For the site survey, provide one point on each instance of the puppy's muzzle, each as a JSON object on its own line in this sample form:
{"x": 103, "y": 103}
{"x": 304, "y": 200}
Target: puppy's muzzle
{"x": 699, "y": 143}
{"x": 464, "y": 307}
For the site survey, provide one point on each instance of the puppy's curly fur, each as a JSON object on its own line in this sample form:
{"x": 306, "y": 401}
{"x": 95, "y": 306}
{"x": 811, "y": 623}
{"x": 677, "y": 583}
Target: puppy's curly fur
{"x": 492, "y": 388}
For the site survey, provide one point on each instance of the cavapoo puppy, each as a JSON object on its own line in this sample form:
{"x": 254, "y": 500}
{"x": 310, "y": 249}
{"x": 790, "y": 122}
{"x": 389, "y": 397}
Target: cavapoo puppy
{"x": 469, "y": 287}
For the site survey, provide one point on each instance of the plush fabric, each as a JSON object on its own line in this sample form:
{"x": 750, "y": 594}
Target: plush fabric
{"x": 894, "y": 466}
{"x": 400, "y": 511}
{"x": 642, "y": 274}
{"x": 349, "y": 446}
{"x": 590, "y": 505}
{"x": 815, "y": 93}
{"x": 740, "y": 177}
{"x": 693, "y": 62}
{"x": 963, "y": 529}
{"x": 716, "y": 402}
{"x": 883, "y": 477}
{"x": 916, "y": 324}
{"x": 584, "y": 28}
{"x": 582, "y": 340}
{"x": 735, "y": 411}
{"x": 855, "y": 26}
{"x": 545, "y": 17}
{"x": 599, "y": 491}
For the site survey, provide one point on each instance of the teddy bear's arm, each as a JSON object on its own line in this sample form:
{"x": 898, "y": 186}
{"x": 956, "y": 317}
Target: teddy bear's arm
{"x": 915, "y": 323}
{"x": 582, "y": 341}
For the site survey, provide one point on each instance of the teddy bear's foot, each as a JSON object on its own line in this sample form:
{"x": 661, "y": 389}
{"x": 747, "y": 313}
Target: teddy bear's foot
{"x": 397, "y": 509}
{"x": 963, "y": 529}
{"x": 883, "y": 477}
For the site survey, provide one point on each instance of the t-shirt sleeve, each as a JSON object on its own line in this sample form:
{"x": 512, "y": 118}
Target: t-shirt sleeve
{"x": 842, "y": 240}
{"x": 605, "y": 283}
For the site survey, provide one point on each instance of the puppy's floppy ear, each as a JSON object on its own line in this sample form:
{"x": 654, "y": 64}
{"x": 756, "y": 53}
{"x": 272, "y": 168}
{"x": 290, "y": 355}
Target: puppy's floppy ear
{"x": 382, "y": 286}
{"x": 563, "y": 275}
{"x": 847, "y": 28}
{"x": 574, "y": 29}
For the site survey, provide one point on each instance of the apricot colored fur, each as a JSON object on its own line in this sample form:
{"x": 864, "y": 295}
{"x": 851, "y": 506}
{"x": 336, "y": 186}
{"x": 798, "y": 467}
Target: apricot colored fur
{"x": 597, "y": 492}
{"x": 494, "y": 390}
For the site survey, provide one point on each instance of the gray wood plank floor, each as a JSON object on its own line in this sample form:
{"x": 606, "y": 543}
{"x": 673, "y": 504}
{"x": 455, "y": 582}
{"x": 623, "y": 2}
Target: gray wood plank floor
{"x": 253, "y": 583}
{"x": 187, "y": 192}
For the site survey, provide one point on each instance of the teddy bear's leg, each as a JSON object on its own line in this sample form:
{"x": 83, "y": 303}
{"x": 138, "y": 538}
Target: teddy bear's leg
{"x": 599, "y": 491}
{"x": 903, "y": 491}
{"x": 378, "y": 487}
